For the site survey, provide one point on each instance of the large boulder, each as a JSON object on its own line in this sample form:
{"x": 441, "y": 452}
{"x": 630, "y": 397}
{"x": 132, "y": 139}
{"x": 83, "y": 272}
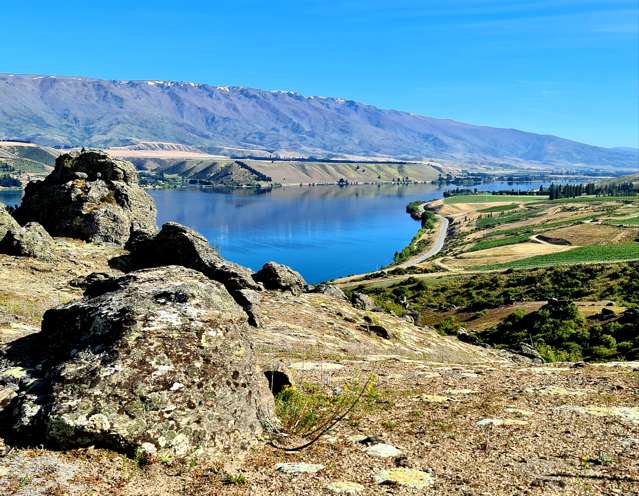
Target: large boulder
{"x": 280, "y": 278}
{"x": 89, "y": 196}
{"x": 159, "y": 362}
{"x": 362, "y": 301}
{"x": 7, "y": 222}
{"x": 176, "y": 244}
{"x": 527, "y": 351}
{"x": 330, "y": 290}
{"x": 32, "y": 240}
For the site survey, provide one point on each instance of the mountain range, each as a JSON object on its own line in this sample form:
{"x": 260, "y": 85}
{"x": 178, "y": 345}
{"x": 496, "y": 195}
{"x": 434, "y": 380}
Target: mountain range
{"x": 70, "y": 111}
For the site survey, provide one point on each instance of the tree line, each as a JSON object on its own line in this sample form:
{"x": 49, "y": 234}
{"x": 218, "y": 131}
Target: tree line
{"x": 556, "y": 191}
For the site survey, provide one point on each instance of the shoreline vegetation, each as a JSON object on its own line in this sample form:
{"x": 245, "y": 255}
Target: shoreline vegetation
{"x": 421, "y": 241}
{"x": 566, "y": 288}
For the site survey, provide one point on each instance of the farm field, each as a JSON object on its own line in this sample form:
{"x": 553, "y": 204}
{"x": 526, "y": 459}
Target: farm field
{"x": 582, "y": 254}
{"x": 633, "y": 221}
{"x": 529, "y": 234}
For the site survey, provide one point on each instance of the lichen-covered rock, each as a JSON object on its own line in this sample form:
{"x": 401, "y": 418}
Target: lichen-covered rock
{"x": 7, "y": 222}
{"x": 89, "y": 196}
{"x": 330, "y": 290}
{"x": 527, "y": 351}
{"x": 281, "y": 278}
{"x": 176, "y": 244}
{"x": 160, "y": 359}
{"x": 362, "y": 301}
{"x": 406, "y": 477}
{"x": 29, "y": 241}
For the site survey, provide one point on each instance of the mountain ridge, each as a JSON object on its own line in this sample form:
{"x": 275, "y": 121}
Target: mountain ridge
{"x": 74, "y": 111}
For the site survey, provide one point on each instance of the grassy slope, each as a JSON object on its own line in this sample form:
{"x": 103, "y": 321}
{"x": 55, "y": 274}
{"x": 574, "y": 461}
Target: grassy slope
{"x": 498, "y": 208}
{"x": 632, "y": 221}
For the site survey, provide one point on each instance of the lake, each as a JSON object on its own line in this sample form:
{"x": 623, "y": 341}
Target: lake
{"x": 323, "y": 231}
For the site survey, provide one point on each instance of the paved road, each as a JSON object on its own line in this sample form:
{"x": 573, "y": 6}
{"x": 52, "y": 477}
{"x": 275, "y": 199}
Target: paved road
{"x": 435, "y": 248}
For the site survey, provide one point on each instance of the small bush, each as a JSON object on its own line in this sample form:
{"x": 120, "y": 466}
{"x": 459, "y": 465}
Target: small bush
{"x": 308, "y": 407}
{"x": 234, "y": 480}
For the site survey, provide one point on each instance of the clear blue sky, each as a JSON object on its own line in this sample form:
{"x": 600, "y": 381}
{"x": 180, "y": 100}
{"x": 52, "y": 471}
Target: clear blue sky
{"x": 564, "y": 67}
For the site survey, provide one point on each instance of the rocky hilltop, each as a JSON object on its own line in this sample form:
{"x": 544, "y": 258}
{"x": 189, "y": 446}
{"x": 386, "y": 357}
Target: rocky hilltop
{"x": 91, "y": 197}
{"x": 152, "y": 366}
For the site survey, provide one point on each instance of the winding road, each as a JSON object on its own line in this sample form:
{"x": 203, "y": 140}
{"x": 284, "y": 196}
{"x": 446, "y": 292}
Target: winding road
{"x": 435, "y": 248}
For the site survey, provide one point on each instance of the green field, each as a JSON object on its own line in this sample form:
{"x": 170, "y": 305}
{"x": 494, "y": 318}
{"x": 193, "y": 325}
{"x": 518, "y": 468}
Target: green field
{"x": 582, "y": 254}
{"x": 488, "y": 198}
{"x": 632, "y": 221}
{"x": 493, "y": 243}
{"x": 498, "y": 208}
{"x": 488, "y": 222}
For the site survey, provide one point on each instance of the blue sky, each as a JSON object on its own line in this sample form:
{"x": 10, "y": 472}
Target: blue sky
{"x": 563, "y": 67}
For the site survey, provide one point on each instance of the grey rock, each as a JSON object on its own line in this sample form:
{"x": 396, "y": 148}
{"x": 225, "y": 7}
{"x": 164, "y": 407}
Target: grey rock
{"x": 383, "y": 450}
{"x": 527, "y": 351}
{"x": 105, "y": 206}
{"x": 176, "y": 244}
{"x": 330, "y": 290}
{"x": 299, "y": 468}
{"x": 29, "y": 241}
{"x": 93, "y": 279}
{"x": 362, "y": 301}
{"x": 7, "y": 222}
{"x": 161, "y": 359}
{"x": 280, "y": 278}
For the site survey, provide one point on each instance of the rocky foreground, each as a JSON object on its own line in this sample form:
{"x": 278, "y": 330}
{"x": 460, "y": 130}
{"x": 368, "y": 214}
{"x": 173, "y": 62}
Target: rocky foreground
{"x": 149, "y": 365}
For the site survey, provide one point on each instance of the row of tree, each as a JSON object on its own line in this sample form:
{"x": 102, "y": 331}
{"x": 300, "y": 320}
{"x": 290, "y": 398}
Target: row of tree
{"x": 555, "y": 191}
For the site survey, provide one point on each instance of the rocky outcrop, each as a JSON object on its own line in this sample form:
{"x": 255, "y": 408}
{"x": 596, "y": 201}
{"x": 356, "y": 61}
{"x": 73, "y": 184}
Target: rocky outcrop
{"x": 330, "y": 290}
{"x": 280, "y": 278}
{"x": 176, "y": 244}
{"x": 29, "y": 241}
{"x": 91, "y": 197}
{"x": 527, "y": 351}
{"x": 362, "y": 301}
{"x": 7, "y": 222}
{"x": 159, "y": 362}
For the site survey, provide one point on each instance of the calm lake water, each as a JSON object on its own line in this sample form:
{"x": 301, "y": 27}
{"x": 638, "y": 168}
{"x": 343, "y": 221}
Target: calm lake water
{"x": 323, "y": 231}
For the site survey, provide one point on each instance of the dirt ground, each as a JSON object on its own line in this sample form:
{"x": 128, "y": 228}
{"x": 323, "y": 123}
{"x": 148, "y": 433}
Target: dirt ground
{"x": 474, "y": 429}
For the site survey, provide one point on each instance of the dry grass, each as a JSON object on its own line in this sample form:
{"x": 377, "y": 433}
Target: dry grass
{"x": 503, "y": 254}
{"x": 593, "y": 234}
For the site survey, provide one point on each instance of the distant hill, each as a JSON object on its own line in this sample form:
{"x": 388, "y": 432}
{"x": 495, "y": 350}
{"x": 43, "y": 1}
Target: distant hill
{"x": 631, "y": 178}
{"x": 17, "y": 159}
{"x": 64, "y": 111}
